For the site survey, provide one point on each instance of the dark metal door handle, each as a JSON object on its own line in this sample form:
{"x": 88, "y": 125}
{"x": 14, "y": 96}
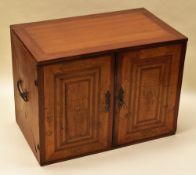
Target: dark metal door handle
{"x": 107, "y": 101}
{"x": 121, "y": 97}
{"x": 22, "y": 93}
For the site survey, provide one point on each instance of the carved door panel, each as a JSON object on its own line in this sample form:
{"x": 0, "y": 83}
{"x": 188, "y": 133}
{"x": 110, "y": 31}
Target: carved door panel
{"x": 147, "y": 93}
{"x": 78, "y": 107}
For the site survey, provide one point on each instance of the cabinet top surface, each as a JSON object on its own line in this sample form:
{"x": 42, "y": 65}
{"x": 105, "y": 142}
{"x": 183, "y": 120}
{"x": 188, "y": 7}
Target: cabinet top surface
{"x": 53, "y": 39}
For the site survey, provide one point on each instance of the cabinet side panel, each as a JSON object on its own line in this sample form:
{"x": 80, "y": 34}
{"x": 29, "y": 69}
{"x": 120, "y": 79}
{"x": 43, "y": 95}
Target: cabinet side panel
{"x": 25, "y": 69}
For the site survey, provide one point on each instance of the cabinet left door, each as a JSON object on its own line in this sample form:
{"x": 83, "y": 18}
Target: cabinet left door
{"x": 77, "y": 107}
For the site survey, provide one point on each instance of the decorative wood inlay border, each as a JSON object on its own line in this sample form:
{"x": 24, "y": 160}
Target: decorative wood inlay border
{"x": 64, "y": 85}
{"x": 151, "y": 95}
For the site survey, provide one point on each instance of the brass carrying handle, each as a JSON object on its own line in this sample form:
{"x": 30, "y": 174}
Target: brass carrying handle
{"x": 107, "y": 101}
{"x": 22, "y": 93}
{"x": 121, "y": 97}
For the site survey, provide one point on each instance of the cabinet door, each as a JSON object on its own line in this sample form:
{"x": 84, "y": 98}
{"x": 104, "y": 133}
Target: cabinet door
{"x": 78, "y": 107}
{"x": 148, "y": 90}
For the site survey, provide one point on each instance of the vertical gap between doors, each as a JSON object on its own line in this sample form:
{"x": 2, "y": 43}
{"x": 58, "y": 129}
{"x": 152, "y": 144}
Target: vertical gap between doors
{"x": 114, "y": 97}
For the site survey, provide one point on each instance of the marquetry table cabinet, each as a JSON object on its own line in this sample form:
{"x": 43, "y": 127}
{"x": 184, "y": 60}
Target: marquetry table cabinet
{"x": 92, "y": 83}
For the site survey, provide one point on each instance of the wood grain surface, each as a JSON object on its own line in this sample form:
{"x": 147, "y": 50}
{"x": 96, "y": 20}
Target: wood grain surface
{"x": 75, "y": 117}
{"x": 27, "y": 113}
{"x": 149, "y": 79}
{"x": 93, "y": 33}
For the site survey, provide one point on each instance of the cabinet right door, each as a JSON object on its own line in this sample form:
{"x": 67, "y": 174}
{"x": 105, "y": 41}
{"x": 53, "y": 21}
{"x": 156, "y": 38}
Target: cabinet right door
{"x": 147, "y": 94}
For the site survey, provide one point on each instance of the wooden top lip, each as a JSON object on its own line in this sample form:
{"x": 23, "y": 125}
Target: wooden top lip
{"x": 43, "y": 57}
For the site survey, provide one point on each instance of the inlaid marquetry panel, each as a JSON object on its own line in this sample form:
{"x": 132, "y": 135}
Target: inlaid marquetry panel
{"x": 75, "y": 118}
{"x": 148, "y": 94}
{"x": 150, "y": 86}
{"x": 76, "y": 95}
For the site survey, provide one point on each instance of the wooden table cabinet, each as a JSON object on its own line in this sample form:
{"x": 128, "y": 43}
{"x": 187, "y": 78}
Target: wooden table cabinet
{"x": 87, "y": 84}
